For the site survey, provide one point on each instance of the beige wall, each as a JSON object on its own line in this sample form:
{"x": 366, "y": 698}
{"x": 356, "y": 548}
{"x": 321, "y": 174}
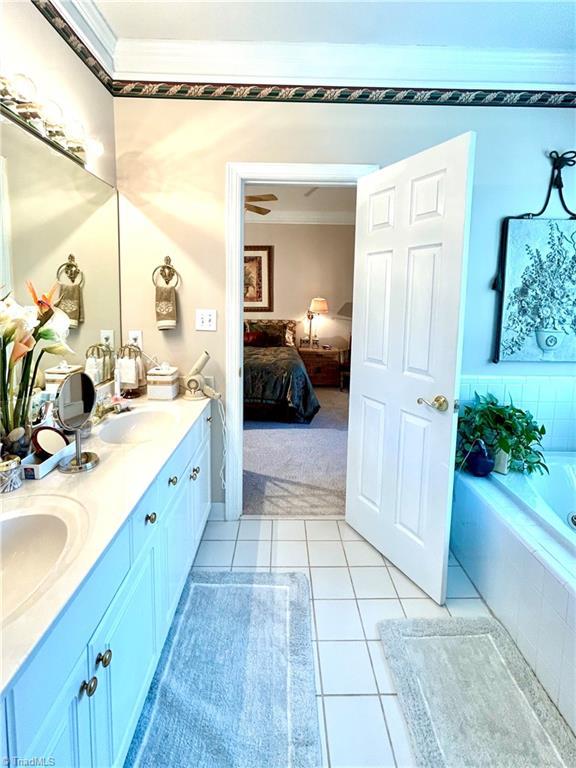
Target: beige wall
{"x": 309, "y": 260}
{"x": 171, "y": 159}
{"x": 29, "y": 45}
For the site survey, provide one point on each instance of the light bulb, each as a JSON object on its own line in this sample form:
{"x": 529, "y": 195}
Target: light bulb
{"x": 23, "y": 87}
{"x": 52, "y": 112}
{"x": 74, "y": 130}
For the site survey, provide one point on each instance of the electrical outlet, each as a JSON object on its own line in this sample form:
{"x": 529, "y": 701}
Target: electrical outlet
{"x": 205, "y": 319}
{"x": 135, "y": 337}
{"x": 107, "y": 337}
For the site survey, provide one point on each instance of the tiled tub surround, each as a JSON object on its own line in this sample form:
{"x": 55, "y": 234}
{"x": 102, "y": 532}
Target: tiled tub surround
{"x": 526, "y": 572}
{"x": 550, "y": 399}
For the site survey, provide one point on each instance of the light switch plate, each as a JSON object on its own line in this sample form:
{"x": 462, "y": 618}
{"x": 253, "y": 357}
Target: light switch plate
{"x": 107, "y": 337}
{"x": 135, "y": 337}
{"x": 205, "y": 319}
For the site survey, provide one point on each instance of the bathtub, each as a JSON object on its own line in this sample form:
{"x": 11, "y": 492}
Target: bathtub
{"x": 512, "y": 535}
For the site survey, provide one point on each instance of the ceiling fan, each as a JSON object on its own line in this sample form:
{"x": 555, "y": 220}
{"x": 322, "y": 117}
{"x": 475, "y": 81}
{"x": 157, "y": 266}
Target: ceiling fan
{"x": 249, "y": 199}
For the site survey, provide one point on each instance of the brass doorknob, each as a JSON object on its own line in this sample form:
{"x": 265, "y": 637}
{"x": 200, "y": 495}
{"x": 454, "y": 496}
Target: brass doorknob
{"x": 439, "y": 403}
{"x": 151, "y": 518}
{"x": 104, "y": 658}
{"x": 173, "y": 480}
{"x": 89, "y": 686}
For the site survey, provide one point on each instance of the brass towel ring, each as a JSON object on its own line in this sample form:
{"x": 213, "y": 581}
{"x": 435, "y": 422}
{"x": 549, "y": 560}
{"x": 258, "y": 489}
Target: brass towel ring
{"x": 71, "y": 269}
{"x": 167, "y": 272}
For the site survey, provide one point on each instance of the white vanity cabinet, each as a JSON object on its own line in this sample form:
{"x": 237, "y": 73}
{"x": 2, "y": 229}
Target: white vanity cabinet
{"x": 78, "y": 697}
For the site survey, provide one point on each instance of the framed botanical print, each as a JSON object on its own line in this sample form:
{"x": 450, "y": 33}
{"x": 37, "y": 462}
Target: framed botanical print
{"x": 537, "y": 284}
{"x": 258, "y": 278}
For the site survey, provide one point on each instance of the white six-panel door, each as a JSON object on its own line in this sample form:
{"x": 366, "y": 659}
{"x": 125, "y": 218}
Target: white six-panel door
{"x": 412, "y": 223}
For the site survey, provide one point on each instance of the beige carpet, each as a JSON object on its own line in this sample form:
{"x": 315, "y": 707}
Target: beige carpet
{"x": 298, "y": 469}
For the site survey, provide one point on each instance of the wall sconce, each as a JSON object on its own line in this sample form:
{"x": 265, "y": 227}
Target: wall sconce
{"x": 318, "y": 306}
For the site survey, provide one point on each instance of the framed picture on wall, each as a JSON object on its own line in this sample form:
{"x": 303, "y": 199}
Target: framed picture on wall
{"x": 537, "y": 285}
{"x": 258, "y": 278}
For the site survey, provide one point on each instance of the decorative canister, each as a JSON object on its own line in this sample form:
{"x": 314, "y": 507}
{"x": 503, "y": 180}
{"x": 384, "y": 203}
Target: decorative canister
{"x": 11, "y": 474}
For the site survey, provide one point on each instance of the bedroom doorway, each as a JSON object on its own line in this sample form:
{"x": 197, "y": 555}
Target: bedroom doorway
{"x": 331, "y": 419}
{"x": 298, "y": 284}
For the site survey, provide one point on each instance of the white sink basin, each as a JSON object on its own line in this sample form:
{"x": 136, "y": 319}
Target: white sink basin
{"x": 136, "y": 427}
{"x": 39, "y": 536}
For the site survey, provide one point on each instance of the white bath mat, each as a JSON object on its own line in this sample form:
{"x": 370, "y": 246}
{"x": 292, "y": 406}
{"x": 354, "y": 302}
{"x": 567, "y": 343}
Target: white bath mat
{"x": 470, "y": 699}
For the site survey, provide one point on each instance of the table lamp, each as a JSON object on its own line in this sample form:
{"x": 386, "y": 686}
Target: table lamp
{"x": 318, "y": 306}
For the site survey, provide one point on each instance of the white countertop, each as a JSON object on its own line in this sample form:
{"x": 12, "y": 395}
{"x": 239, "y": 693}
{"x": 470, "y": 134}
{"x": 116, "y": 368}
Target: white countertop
{"x": 109, "y": 493}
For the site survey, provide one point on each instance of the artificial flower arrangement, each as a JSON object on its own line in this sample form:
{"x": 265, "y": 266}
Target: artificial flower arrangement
{"x": 27, "y": 333}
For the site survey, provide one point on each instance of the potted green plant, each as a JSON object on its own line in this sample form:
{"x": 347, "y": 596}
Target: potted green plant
{"x": 510, "y": 434}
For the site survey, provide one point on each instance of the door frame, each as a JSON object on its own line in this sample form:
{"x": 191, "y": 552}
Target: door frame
{"x": 237, "y": 176}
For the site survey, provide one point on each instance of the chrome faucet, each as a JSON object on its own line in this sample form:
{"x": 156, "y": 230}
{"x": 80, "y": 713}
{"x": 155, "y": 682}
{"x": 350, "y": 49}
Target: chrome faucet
{"x": 109, "y": 405}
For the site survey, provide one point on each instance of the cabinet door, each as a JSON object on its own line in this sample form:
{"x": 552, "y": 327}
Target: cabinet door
{"x": 64, "y": 738}
{"x": 178, "y": 536}
{"x": 201, "y": 497}
{"x": 122, "y": 654}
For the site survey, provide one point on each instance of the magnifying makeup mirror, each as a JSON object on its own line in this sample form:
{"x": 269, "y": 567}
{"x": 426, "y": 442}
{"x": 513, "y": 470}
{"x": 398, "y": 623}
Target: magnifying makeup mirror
{"x": 75, "y": 401}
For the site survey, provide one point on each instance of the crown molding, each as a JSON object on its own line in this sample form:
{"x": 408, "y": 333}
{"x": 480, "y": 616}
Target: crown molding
{"x": 85, "y": 19}
{"x": 334, "y": 218}
{"x": 77, "y": 34}
{"x": 339, "y": 64}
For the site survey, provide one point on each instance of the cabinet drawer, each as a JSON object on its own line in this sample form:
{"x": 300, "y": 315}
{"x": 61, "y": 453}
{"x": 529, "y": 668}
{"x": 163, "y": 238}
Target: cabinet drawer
{"x": 44, "y": 675}
{"x": 145, "y": 521}
{"x": 172, "y": 474}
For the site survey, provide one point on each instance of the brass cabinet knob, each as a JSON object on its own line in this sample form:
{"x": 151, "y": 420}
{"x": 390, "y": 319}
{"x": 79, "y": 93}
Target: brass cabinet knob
{"x": 195, "y": 473}
{"x": 173, "y": 480}
{"x": 209, "y": 418}
{"x": 151, "y": 518}
{"x": 89, "y": 686}
{"x": 104, "y": 658}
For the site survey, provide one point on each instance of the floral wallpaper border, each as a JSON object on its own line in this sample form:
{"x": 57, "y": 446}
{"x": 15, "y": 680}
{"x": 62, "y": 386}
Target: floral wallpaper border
{"x": 305, "y": 94}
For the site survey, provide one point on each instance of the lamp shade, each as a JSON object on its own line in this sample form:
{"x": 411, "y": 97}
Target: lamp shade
{"x": 318, "y": 306}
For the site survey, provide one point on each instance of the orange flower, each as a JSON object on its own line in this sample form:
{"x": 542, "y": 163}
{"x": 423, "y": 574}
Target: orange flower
{"x": 21, "y": 348}
{"x": 45, "y": 302}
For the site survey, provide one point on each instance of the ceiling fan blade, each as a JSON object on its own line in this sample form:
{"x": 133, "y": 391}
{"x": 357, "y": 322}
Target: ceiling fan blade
{"x": 257, "y": 209}
{"x": 260, "y": 198}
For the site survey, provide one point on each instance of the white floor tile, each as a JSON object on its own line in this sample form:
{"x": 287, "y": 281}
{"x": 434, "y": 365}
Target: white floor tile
{"x": 423, "y": 608}
{"x": 362, "y": 553}
{"x": 251, "y": 568}
{"x": 316, "y": 669}
{"x": 381, "y": 668}
{"x": 252, "y": 553}
{"x": 459, "y": 585}
{"x": 285, "y": 553}
{"x": 289, "y": 530}
{"x": 338, "y": 620}
{"x": 404, "y": 586}
{"x": 220, "y": 531}
{"x": 326, "y": 553}
{"x": 348, "y": 533}
{"x": 463, "y": 606}
{"x": 372, "y": 582}
{"x": 398, "y": 732}
{"x": 322, "y": 727}
{"x": 322, "y": 530}
{"x": 357, "y": 736}
{"x": 211, "y": 568}
{"x": 331, "y": 583}
{"x": 255, "y": 529}
{"x": 215, "y": 553}
{"x": 346, "y": 668}
{"x": 374, "y": 611}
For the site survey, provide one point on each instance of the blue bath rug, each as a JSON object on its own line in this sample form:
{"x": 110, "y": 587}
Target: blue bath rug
{"x": 235, "y": 685}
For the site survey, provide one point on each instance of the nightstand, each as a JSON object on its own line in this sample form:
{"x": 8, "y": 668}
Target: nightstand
{"x": 323, "y": 365}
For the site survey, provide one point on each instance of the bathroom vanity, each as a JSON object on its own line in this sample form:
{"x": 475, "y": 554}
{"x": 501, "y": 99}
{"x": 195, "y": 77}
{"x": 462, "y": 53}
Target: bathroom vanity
{"x": 83, "y": 639}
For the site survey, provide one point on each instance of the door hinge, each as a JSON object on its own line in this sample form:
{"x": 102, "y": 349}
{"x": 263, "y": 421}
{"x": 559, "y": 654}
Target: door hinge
{"x": 456, "y": 406}
{"x": 240, "y": 373}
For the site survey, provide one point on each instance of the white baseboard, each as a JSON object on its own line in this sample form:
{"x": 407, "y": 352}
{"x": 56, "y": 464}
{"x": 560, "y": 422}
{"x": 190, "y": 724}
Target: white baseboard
{"x": 218, "y": 511}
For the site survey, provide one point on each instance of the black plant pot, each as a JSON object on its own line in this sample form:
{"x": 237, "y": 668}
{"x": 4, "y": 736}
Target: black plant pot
{"x": 479, "y": 463}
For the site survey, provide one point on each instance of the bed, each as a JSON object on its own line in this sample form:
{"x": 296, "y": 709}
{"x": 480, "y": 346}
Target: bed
{"x": 276, "y": 384}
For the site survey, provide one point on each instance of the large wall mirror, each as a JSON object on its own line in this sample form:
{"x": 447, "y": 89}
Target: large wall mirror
{"x": 51, "y": 209}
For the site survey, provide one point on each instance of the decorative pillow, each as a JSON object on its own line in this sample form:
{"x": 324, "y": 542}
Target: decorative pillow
{"x": 285, "y": 328}
{"x": 261, "y": 339}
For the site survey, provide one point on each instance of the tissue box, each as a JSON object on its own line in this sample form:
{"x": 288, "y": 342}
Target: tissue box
{"x": 55, "y": 376}
{"x": 162, "y": 383}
